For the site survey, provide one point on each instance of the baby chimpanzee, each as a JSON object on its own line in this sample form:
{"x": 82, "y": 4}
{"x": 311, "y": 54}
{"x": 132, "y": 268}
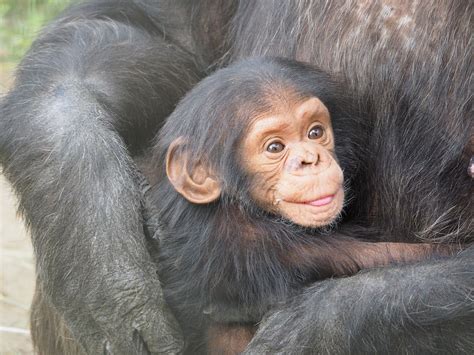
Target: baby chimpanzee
{"x": 249, "y": 177}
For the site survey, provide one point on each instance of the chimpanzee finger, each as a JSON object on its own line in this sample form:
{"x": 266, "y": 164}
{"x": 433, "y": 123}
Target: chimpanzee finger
{"x": 158, "y": 335}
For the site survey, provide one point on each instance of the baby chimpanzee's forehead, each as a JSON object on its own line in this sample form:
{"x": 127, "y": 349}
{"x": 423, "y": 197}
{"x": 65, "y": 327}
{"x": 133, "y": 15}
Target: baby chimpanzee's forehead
{"x": 302, "y": 111}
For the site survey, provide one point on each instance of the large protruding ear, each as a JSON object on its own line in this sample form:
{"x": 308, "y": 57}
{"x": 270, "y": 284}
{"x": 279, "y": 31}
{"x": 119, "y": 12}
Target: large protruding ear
{"x": 199, "y": 185}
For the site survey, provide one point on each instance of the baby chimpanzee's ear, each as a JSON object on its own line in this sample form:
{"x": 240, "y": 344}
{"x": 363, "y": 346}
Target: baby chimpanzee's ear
{"x": 200, "y": 185}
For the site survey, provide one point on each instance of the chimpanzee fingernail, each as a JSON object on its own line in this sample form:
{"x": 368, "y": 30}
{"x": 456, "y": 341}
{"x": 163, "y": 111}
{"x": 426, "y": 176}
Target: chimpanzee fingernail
{"x": 277, "y": 201}
{"x": 470, "y": 169}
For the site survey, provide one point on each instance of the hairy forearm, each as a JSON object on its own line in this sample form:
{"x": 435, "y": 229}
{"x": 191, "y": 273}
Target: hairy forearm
{"x": 425, "y": 307}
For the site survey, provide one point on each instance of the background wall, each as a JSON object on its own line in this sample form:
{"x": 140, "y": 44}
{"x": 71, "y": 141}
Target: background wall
{"x": 20, "y": 21}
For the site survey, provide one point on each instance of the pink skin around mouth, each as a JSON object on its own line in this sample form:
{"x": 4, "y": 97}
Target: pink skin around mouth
{"x": 321, "y": 201}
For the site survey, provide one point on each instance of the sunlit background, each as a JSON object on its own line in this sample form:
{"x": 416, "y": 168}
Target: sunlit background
{"x": 20, "y": 21}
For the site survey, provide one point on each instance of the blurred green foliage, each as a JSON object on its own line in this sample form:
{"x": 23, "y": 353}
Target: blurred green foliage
{"x": 20, "y": 22}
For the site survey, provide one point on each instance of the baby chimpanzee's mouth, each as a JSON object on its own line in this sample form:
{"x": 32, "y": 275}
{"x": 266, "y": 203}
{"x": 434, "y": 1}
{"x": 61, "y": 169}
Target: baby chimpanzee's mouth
{"x": 321, "y": 201}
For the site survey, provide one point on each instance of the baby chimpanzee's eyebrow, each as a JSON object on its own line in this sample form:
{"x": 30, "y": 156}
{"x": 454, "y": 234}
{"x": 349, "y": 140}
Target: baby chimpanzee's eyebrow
{"x": 269, "y": 125}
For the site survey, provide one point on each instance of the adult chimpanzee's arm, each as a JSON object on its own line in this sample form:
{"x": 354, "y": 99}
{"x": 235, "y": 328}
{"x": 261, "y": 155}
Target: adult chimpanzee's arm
{"x": 94, "y": 87}
{"x": 423, "y": 308}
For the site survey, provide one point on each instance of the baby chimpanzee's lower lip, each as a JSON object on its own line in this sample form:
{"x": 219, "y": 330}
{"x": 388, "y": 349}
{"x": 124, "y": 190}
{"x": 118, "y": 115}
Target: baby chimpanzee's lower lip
{"x": 323, "y": 201}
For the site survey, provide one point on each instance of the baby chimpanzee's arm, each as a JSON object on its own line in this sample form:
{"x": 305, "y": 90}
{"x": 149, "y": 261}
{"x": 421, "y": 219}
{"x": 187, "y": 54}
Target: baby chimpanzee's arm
{"x": 369, "y": 255}
{"x": 341, "y": 256}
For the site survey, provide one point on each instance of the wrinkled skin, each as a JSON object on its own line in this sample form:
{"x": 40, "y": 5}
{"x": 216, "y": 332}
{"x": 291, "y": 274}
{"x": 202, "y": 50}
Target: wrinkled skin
{"x": 291, "y": 156}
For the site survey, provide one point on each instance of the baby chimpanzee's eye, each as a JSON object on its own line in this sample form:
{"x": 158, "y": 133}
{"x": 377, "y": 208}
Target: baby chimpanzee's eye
{"x": 316, "y": 132}
{"x": 275, "y": 147}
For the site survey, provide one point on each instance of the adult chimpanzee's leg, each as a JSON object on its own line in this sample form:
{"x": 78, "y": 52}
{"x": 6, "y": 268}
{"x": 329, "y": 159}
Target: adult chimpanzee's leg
{"x": 93, "y": 88}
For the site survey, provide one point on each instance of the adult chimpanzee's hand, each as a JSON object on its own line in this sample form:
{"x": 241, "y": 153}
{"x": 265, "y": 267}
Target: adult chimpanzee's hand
{"x": 123, "y": 314}
{"x": 127, "y": 315}
{"x": 105, "y": 290}
{"x": 427, "y": 308}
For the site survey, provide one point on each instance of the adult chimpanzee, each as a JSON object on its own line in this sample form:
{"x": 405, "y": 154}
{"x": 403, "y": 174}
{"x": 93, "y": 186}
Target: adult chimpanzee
{"x": 94, "y": 89}
{"x": 247, "y": 180}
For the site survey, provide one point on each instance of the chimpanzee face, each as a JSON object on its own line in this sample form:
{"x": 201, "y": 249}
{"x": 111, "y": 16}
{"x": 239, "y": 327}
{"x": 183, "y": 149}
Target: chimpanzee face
{"x": 290, "y": 156}
{"x": 287, "y": 152}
